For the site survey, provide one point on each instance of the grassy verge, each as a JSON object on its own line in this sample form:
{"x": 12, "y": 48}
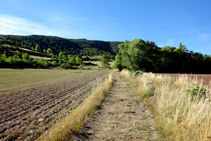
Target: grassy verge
{"x": 66, "y": 128}
{"x": 181, "y": 107}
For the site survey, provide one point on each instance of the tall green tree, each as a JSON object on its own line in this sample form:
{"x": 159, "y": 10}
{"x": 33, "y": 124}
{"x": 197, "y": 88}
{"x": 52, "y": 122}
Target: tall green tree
{"x": 137, "y": 54}
{"x": 37, "y": 48}
{"x": 49, "y": 51}
{"x": 78, "y": 60}
{"x": 104, "y": 60}
{"x": 118, "y": 62}
{"x": 62, "y": 55}
{"x": 26, "y": 58}
{"x": 42, "y": 62}
{"x": 72, "y": 61}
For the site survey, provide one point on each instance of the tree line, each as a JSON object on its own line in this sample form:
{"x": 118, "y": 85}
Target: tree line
{"x": 146, "y": 56}
{"x": 80, "y": 47}
{"x": 16, "y": 59}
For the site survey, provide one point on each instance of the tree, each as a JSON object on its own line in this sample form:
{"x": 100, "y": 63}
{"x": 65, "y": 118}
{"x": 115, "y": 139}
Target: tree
{"x": 26, "y": 58}
{"x": 181, "y": 49}
{"x": 37, "y": 48}
{"x": 44, "y": 51}
{"x": 118, "y": 62}
{"x": 104, "y": 60}
{"x": 43, "y": 63}
{"x": 78, "y": 60}
{"x": 49, "y": 51}
{"x": 54, "y": 63}
{"x": 61, "y": 55}
{"x": 72, "y": 61}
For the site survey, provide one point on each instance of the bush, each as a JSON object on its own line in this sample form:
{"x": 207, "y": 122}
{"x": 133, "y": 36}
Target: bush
{"x": 54, "y": 63}
{"x": 42, "y": 63}
{"x": 138, "y": 72}
{"x": 67, "y": 66}
{"x": 196, "y": 92}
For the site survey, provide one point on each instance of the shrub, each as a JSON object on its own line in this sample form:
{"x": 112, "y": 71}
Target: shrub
{"x": 195, "y": 91}
{"x": 139, "y": 72}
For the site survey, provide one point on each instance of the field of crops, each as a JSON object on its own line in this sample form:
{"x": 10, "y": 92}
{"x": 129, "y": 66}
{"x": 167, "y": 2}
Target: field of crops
{"x": 204, "y": 78}
{"x": 40, "y": 99}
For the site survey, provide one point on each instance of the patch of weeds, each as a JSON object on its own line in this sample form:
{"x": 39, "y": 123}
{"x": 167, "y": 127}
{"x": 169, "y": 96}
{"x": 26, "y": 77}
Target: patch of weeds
{"x": 144, "y": 126}
{"x": 13, "y": 136}
{"x": 143, "y": 118}
{"x": 32, "y": 102}
{"x": 105, "y": 137}
{"x": 78, "y": 72}
{"x": 61, "y": 90}
{"x": 196, "y": 92}
{"x": 170, "y": 81}
{"x": 32, "y": 126}
{"x": 168, "y": 114}
{"x": 136, "y": 73}
{"x": 129, "y": 112}
{"x": 150, "y": 89}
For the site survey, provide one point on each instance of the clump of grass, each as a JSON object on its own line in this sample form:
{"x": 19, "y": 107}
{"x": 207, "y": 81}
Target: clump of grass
{"x": 66, "y": 128}
{"x": 125, "y": 74}
{"x": 177, "y": 117}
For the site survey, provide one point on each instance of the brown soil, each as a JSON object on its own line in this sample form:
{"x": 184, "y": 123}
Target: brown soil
{"x": 205, "y": 78}
{"x": 121, "y": 116}
{"x": 26, "y": 114}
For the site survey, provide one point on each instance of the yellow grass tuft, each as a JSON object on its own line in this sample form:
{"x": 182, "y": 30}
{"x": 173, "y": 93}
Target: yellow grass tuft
{"x": 177, "y": 117}
{"x": 67, "y": 127}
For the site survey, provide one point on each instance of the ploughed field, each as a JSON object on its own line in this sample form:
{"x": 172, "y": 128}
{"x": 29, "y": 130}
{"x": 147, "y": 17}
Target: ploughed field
{"x": 29, "y": 110}
{"x": 204, "y": 78}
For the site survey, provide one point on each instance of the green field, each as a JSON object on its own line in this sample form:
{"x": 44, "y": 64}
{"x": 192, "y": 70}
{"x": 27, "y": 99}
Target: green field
{"x": 16, "y": 79}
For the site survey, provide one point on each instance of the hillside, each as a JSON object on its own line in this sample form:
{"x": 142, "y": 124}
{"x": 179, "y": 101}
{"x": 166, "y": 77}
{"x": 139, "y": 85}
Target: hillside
{"x": 82, "y": 47}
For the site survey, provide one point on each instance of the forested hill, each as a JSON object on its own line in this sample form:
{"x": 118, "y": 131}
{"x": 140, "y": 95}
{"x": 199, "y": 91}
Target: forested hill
{"x": 57, "y": 44}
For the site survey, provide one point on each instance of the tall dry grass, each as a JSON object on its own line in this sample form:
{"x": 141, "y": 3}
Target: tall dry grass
{"x": 64, "y": 129}
{"x": 177, "y": 117}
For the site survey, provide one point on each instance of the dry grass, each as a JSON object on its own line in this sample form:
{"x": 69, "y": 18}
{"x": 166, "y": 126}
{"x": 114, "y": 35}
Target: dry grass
{"x": 65, "y": 128}
{"x": 177, "y": 117}
{"x": 39, "y": 57}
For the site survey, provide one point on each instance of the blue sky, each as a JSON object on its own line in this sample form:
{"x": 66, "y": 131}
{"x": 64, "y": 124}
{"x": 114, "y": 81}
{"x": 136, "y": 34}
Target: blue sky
{"x": 166, "y": 22}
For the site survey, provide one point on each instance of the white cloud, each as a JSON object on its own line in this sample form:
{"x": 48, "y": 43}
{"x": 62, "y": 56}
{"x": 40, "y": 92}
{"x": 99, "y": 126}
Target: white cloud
{"x": 15, "y": 25}
{"x": 204, "y": 37}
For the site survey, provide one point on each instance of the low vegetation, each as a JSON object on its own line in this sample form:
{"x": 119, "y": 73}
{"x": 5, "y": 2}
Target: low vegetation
{"x": 66, "y": 128}
{"x": 181, "y": 106}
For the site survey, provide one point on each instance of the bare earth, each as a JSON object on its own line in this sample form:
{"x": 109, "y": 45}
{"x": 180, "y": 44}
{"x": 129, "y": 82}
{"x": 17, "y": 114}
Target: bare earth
{"x": 121, "y": 116}
{"x": 26, "y": 114}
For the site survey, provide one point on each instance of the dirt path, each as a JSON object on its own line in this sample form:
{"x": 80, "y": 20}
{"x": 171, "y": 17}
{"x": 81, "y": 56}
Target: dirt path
{"x": 121, "y": 116}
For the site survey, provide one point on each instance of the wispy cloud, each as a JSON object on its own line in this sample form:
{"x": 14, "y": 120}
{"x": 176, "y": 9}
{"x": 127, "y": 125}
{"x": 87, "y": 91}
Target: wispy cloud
{"x": 204, "y": 37}
{"x": 20, "y": 26}
{"x": 188, "y": 31}
{"x": 170, "y": 42}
